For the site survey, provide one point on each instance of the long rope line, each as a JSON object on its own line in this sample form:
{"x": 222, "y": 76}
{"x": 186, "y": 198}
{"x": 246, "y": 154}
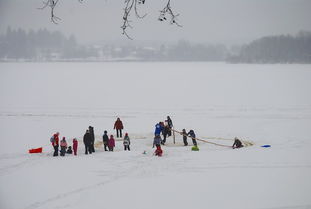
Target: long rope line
{"x": 202, "y": 140}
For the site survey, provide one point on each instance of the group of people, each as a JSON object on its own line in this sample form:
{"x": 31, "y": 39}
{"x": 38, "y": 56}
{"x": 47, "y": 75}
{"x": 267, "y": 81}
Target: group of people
{"x": 89, "y": 141}
{"x": 64, "y": 148}
{"x": 164, "y": 128}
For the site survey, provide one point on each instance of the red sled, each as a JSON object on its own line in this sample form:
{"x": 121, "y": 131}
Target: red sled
{"x": 36, "y": 150}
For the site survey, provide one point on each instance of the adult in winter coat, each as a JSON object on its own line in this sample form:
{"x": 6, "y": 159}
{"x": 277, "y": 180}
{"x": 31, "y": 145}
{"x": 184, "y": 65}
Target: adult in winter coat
{"x": 126, "y": 142}
{"x": 63, "y": 147}
{"x": 169, "y": 122}
{"x": 184, "y": 137}
{"x": 55, "y": 143}
{"x": 105, "y": 140}
{"x": 91, "y": 129}
{"x": 166, "y": 133}
{"x": 118, "y": 125}
{"x": 75, "y": 146}
{"x": 87, "y": 140}
{"x": 237, "y": 143}
{"x": 192, "y": 135}
{"x": 158, "y": 129}
{"x": 111, "y": 143}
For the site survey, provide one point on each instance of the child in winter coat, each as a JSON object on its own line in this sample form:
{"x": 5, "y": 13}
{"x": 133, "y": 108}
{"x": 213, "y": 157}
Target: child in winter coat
{"x": 69, "y": 150}
{"x": 63, "y": 147}
{"x": 184, "y": 136}
{"x": 157, "y": 142}
{"x": 126, "y": 142}
{"x": 75, "y": 146}
{"x": 192, "y": 135}
{"x": 111, "y": 143}
{"x": 105, "y": 140}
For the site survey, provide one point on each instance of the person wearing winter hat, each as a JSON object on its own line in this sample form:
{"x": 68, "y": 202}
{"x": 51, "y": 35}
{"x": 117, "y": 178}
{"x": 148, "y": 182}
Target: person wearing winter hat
{"x": 63, "y": 147}
{"x": 184, "y": 136}
{"x": 75, "y": 146}
{"x": 105, "y": 140}
{"x": 55, "y": 143}
{"x": 87, "y": 140}
{"x": 126, "y": 142}
{"x": 118, "y": 125}
{"x": 111, "y": 143}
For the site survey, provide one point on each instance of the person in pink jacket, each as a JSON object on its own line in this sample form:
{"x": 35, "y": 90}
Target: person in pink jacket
{"x": 111, "y": 143}
{"x": 63, "y": 147}
{"x": 75, "y": 146}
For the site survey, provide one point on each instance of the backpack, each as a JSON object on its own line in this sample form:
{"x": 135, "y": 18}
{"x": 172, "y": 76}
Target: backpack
{"x": 52, "y": 139}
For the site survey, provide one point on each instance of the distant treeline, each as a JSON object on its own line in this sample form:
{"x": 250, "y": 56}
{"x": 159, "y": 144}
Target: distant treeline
{"x": 276, "y": 49}
{"x": 41, "y": 45}
{"x": 44, "y": 45}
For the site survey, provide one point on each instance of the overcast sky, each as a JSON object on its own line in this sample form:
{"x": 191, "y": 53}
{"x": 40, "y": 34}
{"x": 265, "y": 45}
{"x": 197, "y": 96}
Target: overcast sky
{"x": 207, "y": 21}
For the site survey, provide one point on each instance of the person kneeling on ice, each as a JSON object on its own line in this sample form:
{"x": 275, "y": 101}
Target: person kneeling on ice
{"x": 126, "y": 142}
{"x": 63, "y": 147}
{"x": 111, "y": 143}
{"x": 237, "y": 143}
{"x": 157, "y": 142}
{"x": 69, "y": 150}
{"x": 75, "y": 146}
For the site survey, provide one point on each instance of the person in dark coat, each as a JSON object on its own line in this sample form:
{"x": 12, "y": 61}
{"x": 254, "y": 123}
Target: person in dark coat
{"x": 184, "y": 137}
{"x": 87, "y": 140}
{"x": 237, "y": 143}
{"x": 192, "y": 135}
{"x": 69, "y": 150}
{"x": 169, "y": 122}
{"x": 105, "y": 140}
{"x": 118, "y": 125}
{"x": 91, "y": 129}
{"x": 166, "y": 133}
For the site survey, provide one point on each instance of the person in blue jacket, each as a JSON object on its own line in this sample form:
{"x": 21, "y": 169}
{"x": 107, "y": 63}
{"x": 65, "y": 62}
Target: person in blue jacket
{"x": 158, "y": 129}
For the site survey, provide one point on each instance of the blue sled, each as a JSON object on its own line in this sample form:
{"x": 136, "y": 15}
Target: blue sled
{"x": 267, "y": 145}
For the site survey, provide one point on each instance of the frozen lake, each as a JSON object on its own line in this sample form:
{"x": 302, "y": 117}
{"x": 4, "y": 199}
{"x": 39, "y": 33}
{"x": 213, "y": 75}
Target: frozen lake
{"x": 264, "y": 104}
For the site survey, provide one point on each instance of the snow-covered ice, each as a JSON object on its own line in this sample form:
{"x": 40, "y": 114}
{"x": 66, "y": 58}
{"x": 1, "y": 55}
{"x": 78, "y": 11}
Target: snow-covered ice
{"x": 262, "y": 104}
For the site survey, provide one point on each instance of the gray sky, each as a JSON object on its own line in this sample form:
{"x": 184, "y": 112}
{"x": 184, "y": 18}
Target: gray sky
{"x": 207, "y": 21}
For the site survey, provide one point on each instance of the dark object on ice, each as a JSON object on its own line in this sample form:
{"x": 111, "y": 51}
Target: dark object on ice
{"x": 91, "y": 129}
{"x": 237, "y": 143}
{"x": 118, "y": 125}
{"x": 35, "y": 150}
{"x": 69, "y": 150}
{"x": 266, "y": 146}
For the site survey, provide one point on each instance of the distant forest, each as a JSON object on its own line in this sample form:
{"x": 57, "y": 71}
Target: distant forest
{"x": 276, "y": 49}
{"x": 44, "y": 45}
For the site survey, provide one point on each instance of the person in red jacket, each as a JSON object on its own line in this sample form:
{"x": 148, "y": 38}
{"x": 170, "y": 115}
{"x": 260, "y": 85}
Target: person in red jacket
{"x": 118, "y": 125}
{"x": 55, "y": 143}
{"x": 75, "y": 146}
{"x": 111, "y": 143}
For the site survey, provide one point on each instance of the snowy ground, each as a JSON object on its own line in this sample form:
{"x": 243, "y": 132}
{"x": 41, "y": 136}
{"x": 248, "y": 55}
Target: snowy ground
{"x": 264, "y": 104}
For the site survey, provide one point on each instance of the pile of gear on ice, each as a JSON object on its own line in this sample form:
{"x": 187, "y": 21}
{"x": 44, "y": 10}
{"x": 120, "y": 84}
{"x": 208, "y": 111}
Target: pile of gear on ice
{"x": 164, "y": 128}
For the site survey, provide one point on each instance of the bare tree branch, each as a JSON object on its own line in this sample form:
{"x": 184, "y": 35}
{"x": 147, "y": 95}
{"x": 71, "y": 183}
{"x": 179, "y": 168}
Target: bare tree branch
{"x": 52, "y": 4}
{"x": 129, "y": 6}
{"x": 167, "y": 11}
